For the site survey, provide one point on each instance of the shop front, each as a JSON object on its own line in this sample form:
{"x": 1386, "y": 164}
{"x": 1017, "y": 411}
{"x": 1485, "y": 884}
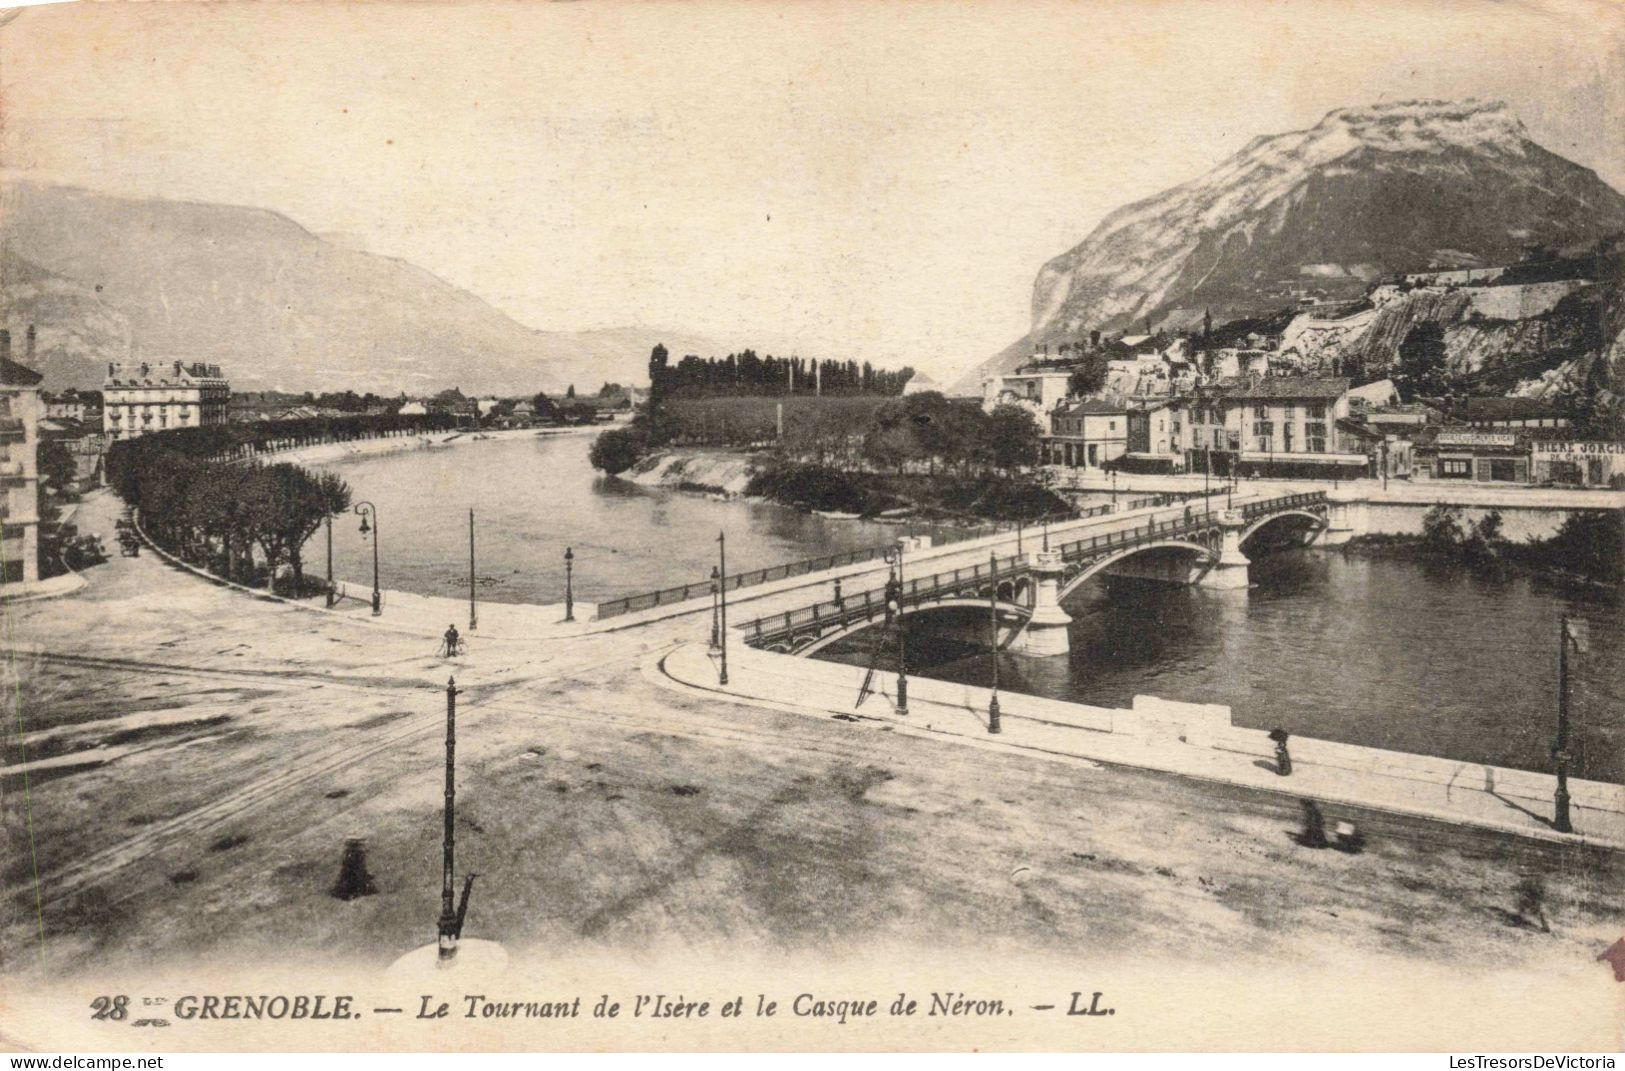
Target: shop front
{"x": 1474, "y": 457}
{"x": 1579, "y": 462}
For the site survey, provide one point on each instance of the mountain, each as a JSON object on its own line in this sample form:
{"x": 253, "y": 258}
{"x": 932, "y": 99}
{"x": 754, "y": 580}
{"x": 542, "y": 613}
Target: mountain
{"x": 1364, "y": 193}
{"x": 276, "y": 306}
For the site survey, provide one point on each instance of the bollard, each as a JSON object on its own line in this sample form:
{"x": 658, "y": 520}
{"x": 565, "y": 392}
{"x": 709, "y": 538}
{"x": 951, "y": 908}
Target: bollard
{"x": 354, "y": 881}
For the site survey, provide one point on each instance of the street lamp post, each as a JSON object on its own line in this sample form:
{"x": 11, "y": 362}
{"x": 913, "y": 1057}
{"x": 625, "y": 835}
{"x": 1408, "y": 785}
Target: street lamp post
{"x": 722, "y": 604}
{"x": 1560, "y": 752}
{"x": 993, "y": 624}
{"x": 894, "y": 558}
{"x": 569, "y": 584}
{"x": 716, "y": 588}
{"x": 329, "y": 561}
{"x": 366, "y": 510}
{"x": 473, "y": 613}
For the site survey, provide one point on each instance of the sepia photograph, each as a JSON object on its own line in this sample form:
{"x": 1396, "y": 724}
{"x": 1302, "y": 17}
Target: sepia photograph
{"x": 912, "y": 526}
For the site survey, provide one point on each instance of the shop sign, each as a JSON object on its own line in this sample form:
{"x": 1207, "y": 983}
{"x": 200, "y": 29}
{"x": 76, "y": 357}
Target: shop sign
{"x": 1477, "y": 438}
{"x": 1578, "y": 448}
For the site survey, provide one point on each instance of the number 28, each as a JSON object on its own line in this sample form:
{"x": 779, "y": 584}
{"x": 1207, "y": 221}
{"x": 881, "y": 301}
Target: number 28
{"x": 110, "y": 1007}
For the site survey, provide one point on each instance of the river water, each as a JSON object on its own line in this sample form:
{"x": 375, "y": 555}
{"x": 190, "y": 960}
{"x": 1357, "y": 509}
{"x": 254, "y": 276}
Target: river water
{"x": 1387, "y": 652}
{"x": 534, "y": 496}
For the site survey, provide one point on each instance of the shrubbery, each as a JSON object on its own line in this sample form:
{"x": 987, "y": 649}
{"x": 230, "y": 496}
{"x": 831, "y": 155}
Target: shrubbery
{"x": 618, "y": 449}
{"x": 1591, "y": 543}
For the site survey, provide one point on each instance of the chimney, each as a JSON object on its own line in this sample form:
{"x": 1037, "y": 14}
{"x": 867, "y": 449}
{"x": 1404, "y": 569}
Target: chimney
{"x": 5, "y": 344}
{"x": 31, "y": 345}
{"x": 1094, "y": 339}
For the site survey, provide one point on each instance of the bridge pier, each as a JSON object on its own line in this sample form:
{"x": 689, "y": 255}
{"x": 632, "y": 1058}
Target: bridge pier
{"x": 1046, "y": 631}
{"x": 1230, "y": 573}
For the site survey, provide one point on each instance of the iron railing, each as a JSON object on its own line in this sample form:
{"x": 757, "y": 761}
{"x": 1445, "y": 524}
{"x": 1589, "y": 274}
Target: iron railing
{"x": 939, "y": 585}
{"x": 677, "y": 593}
{"x": 649, "y": 600}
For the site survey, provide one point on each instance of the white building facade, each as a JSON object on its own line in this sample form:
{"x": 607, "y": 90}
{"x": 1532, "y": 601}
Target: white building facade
{"x": 139, "y": 397}
{"x": 20, "y": 411}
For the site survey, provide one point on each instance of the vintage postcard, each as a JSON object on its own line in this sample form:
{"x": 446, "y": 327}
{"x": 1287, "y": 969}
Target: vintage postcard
{"x": 913, "y": 526}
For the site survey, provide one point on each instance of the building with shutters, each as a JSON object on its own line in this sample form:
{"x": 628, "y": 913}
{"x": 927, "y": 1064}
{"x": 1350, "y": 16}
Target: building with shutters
{"x": 140, "y": 397}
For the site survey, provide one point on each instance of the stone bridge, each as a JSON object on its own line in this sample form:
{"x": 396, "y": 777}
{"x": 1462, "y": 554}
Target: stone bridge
{"x": 1023, "y": 592}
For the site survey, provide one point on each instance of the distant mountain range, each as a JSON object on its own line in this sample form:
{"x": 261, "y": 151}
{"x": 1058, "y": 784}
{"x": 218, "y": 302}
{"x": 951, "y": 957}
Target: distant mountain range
{"x": 104, "y": 278}
{"x": 1365, "y": 192}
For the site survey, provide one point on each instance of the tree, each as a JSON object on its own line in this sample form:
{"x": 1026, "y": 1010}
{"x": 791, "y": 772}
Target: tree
{"x": 56, "y": 467}
{"x": 1012, "y": 437}
{"x": 618, "y": 449}
{"x": 1422, "y": 357}
{"x": 1090, "y": 375}
{"x": 1441, "y": 528}
{"x": 570, "y": 391}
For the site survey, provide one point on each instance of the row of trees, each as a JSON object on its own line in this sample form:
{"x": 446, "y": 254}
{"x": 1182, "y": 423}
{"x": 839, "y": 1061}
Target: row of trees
{"x": 747, "y": 374}
{"x": 248, "y": 440}
{"x": 216, "y": 513}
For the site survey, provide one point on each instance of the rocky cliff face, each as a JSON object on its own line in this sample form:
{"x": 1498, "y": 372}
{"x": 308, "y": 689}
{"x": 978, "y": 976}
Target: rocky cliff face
{"x": 1364, "y": 192}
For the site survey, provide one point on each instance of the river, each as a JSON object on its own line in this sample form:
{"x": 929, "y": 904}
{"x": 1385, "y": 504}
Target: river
{"x": 1387, "y": 652}
{"x": 534, "y": 496}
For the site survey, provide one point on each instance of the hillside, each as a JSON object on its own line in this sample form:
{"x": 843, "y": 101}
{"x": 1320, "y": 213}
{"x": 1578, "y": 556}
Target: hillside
{"x": 276, "y": 306}
{"x": 1364, "y": 193}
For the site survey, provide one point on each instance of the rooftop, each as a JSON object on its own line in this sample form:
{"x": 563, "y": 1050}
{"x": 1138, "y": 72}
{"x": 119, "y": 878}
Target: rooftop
{"x": 1284, "y": 387}
{"x": 13, "y": 374}
{"x": 1091, "y": 407}
{"x": 1472, "y": 409}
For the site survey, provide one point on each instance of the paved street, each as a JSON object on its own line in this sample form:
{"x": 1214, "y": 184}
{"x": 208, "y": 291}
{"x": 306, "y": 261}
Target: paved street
{"x": 209, "y": 752}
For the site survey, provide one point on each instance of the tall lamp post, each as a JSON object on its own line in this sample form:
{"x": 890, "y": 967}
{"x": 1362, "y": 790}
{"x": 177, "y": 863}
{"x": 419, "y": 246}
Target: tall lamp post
{"x": 993, "y": 627}
{"x": 1567, "y": 634}
{"x": 569, "y": 584}
{"x": 894, "y": 602}
{"x": 366, "y": 510}
{"x": 716, "y": 587}
{"x": 329, "y": 561}
{"x": 722, "y": 604}
{"x": 473, "y": 613}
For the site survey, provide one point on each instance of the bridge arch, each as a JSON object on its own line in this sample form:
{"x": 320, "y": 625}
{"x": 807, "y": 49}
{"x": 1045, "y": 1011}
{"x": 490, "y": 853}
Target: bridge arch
{"x": 1198, "y": 551}
{"x": 1313, "y": 520}
{"x": 811, "y": 642}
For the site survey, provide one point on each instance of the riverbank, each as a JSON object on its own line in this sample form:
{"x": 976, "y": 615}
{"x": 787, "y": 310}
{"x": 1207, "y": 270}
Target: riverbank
{"x": 357, "y": 449}
{"x": 824, "y": 489}
{"x": 1193, "y": 740}
{"x": 1587, "y": 550}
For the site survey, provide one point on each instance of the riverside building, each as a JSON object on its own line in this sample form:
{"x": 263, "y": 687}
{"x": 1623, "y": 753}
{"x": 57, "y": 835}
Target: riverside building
{"x": 20, "y": 409}
{"x": 140, "y": 397}
{"x": 1275, "y": 426}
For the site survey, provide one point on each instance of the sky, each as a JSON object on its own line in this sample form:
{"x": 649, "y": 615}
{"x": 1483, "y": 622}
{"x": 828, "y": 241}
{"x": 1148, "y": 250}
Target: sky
{"x": 880, "y": 180}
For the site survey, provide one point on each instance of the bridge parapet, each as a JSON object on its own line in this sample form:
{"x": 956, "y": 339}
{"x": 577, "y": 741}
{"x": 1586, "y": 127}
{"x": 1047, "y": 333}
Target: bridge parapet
{"x": 799, "y": 629}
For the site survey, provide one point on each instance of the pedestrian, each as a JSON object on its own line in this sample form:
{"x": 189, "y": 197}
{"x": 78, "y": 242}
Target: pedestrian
{"x": 451, "y": 640}
{"x": 1283, "y": 761}
{"x": 1314, "y": 826}
{"x": 1531, "y": 902}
